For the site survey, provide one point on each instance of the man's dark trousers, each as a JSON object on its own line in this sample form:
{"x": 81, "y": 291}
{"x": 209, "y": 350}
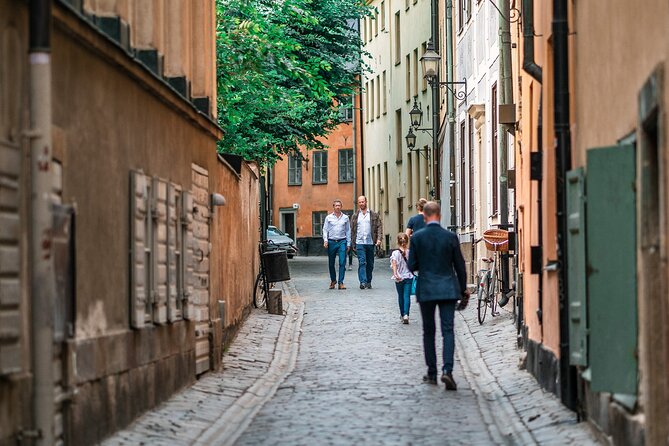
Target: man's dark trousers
{"x": 337, "y": 250}
{"x": 365, "y": 262}
{"x": 446, "y": 314}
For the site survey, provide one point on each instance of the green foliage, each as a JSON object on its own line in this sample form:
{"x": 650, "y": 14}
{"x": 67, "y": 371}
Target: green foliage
{"x": 281, "y": 66}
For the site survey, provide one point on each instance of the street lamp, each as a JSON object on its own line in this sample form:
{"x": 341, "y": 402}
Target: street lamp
{"x": 430, "y": 62}
{"x": 411, "y": 139}
{"x": 416, "y": 114}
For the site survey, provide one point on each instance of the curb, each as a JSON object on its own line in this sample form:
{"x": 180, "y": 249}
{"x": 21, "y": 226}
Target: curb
{"x": 498, "y": 413}
{"x": 235, "y": 420}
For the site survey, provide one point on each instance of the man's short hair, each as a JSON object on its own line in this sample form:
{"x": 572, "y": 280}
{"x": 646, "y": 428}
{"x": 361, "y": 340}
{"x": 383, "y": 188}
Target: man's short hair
{"x": 431, "y": 209}
{"x": 337, "y": 201}
{"x": 421, "y": 204}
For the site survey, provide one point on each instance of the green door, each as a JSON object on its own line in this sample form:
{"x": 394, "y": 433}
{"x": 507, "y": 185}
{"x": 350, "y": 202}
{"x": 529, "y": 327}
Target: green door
{"x": 611, "y": 269}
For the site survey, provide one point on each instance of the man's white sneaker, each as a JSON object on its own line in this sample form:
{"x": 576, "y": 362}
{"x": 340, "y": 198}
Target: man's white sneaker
{"x": 405, "y": 319}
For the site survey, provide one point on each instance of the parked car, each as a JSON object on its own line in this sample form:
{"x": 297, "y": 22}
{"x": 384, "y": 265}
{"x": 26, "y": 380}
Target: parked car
{"x": 279, "y": 240}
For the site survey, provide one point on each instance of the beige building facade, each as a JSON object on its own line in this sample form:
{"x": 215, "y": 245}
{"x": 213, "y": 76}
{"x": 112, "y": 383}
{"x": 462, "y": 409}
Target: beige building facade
{"x": 395, "y": 178}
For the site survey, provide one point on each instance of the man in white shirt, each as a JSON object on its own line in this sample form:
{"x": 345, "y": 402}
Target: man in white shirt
{"x": 337, "y": 240}
{"x": 367, "y": 232}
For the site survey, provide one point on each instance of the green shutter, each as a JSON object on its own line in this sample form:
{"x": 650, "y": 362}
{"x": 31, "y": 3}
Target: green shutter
{"x": 578, "y": 330}
{"x": 611, "y": 253}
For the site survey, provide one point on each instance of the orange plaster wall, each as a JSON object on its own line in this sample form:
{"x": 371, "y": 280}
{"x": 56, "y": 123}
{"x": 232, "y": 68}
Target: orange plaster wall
{"x": 318, "y": 197}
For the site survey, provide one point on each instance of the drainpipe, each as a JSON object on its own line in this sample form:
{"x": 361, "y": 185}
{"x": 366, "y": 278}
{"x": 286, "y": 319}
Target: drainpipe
{"x": 506, "y": 99}
{"x": 450, "y": 108}
{"x": 435, "y": 107}
{"x": 529, "y": 65}
{"x": 42, "y": 273}
{"x": 562, "y": 165}
{"x": 540, "y": 217}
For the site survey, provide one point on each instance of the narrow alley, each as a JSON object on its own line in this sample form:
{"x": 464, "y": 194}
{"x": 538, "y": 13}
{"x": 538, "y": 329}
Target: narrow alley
{"x": 340, "y": 368}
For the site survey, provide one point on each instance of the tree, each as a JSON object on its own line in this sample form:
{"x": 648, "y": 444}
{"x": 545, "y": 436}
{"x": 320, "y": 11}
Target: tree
{"x": 282, "y": 66}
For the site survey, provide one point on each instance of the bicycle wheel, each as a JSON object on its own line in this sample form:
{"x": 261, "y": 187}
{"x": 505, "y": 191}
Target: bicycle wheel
{"x": 259, "y": 295}
{"x": 482, "y": 307}
{"x": 492, "y": 292}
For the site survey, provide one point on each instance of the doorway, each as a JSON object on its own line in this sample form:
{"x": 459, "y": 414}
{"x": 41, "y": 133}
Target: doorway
{"x": 288, "y": 223}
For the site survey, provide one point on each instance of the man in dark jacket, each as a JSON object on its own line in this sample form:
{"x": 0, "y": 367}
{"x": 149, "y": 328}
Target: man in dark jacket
{"x": 435, "y": 254}
{"x": 366, "y": 233}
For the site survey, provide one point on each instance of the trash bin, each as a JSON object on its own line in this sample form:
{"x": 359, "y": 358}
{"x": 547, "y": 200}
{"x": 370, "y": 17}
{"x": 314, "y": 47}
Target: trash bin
{"x": 276, "y": 266}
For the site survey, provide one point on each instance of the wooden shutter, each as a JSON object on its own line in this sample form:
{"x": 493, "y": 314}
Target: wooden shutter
{"x": 173, "y": 309}
{"x": 578, "y": 329}
{"x": 139, "y": 213}
{"x": 612, "y": 290}
{"x": 187, "y": 254}
{"x": 11, "y": 319}
{"x": 159, "y": 258}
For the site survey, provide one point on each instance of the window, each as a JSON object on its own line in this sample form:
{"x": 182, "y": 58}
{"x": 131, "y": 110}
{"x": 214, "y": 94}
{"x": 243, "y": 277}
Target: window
{"x": 398, "y": 48}
{"x": 366, "y": 93}
{"x": 400, "y": 214}
{"x": 379, "y": 188}
{"x": 376, "y": 24}
{"x": 369, "y": 30}
{"x": 495, "y": 173}
{"x": 346, "y": 166}
{"x": 364, "y": 31}
{"x": 423, "y": 48}
{"x": 407, "y": 87}
{"x": 346, "y": 112}
{"x": 461, "y": 15}
{"x": 415, "y": 72}
{"x": 471, "y": 171}
{"x": 406, "y": 4}
{"x": 371, "y": 100}
{"x": 294, "y": 170}
{"x": 317, "y": 220}
{"x": 378, "y": 96}
{"x": 398, "y": 135}
{"x": 463, "y": 169}
{"x": 385, "y": 94}
{"x": 469, "y": 9}
{"x": 409, "y": 183}
{"x": 383, "y": 15}
{"x": 386, "y": 187}
{"x": 320, "y": 167}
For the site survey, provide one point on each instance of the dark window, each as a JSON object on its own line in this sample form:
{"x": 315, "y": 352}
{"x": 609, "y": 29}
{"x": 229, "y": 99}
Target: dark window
{"x": 317, "y": 220}
{"x": 346, "y": 165}
{"x": 461, "y": 14}
{"x": 469, "y": 9}
{"x": 495, "y": 173}
{"x": 320, "y": 175}
{"x": 294, "y": 170}
{"x": 463, "y": 169}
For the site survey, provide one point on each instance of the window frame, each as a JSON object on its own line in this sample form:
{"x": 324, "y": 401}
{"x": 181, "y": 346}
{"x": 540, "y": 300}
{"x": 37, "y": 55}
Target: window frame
{"x": 349, "y": 162}
{"x": 297, "y": 168}
{"x": 321, "y": 155}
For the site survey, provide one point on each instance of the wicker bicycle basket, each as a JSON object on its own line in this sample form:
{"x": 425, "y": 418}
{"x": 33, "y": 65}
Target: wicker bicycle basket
{"x": 496, "y": 240}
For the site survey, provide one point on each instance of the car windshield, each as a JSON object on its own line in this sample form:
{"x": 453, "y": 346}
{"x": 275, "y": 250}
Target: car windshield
{"x": 274, "y": 231}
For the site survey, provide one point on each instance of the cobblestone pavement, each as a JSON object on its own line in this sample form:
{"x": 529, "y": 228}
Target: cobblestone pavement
{"x": 357, "y": 379}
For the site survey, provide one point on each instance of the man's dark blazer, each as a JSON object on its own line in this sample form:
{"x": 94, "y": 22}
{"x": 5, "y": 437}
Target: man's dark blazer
{"x": 435, "y": 254}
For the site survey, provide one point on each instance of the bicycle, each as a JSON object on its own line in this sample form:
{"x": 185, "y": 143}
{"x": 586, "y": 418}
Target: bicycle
{"x": 262, "y": 286}
{"x": 497, "y": 241}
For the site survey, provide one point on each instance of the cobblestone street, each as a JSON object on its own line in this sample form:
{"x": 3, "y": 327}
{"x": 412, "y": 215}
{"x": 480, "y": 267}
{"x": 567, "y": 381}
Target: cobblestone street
{"x": 355, "y": 378}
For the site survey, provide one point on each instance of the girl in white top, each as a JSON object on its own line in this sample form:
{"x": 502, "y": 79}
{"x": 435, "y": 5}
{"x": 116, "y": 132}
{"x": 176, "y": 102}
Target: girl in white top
{"x": 402, "y": 276}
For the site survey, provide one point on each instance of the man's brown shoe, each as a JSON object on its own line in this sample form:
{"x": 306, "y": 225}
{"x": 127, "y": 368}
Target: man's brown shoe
{"x": 341, "y": 286}
{"x": 332, "y": 285}
{"x": 447, "y": 379}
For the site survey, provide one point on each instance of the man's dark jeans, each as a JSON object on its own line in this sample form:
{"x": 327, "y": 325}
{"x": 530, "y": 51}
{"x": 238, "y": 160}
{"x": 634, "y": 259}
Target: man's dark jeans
{"x": 365, "y": 262}
{"x": 446, "y": 313}
{"x": 337, "y": 250}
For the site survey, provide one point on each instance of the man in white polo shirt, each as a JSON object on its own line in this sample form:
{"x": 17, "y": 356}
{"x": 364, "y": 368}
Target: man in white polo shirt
{"x": 337, "y": 240}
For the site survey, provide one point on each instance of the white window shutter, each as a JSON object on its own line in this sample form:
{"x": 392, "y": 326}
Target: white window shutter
{"x": 173, "y": 313}
{"x": 187, "y": 253}
{"x": 160, "y": 254}
{"x": 138, "y": 242}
